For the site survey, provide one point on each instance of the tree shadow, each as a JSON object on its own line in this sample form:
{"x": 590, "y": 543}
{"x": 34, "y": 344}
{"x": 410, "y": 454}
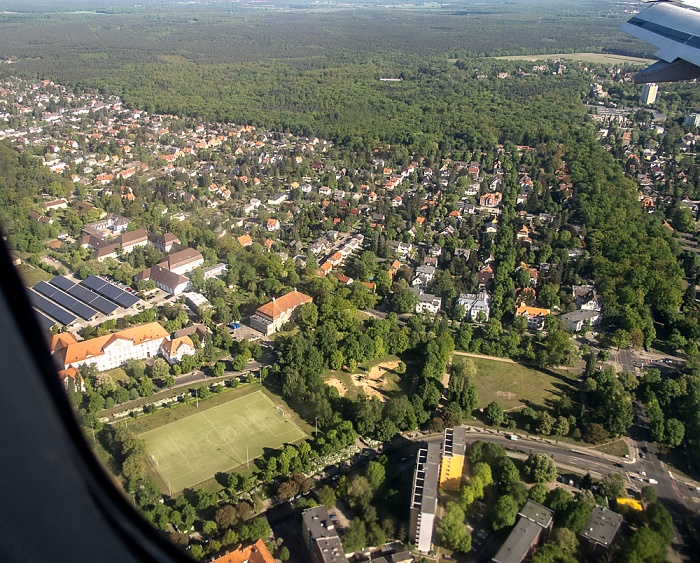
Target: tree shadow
{"x": 687, "y": 524}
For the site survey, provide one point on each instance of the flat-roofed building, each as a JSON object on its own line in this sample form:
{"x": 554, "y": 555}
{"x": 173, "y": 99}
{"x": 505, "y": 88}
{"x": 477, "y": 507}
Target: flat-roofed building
{"x": 196, "y": 301}
{"x": 270, "y": 318}
{"x": 424, "y": 497}
{"x": 602, "y": 527}
{"x": 321, "y": 537}
{"x": 534, "y": 522}
{"x": 454, "y": 448}
{"x": 215, "y": 271}
{"x": 521, "y": 541}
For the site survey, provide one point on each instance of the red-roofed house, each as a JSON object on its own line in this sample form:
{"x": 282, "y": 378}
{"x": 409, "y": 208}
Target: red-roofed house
{"x": 256, "y": 553}
{"x": 269, "y": 318}
{"x": 174, "y": 350}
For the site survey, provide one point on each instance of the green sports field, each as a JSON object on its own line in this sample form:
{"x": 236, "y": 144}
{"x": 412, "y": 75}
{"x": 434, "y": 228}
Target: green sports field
{"x": 194, "y": 449}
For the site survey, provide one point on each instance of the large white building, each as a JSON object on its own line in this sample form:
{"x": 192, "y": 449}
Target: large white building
{"x": 649, "y": 92}
{"x": 109, "y": 351}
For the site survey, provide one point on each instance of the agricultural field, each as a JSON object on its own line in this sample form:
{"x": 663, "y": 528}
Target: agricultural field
{"x": 193, "y": 449}
{"x": 514, "y": 385}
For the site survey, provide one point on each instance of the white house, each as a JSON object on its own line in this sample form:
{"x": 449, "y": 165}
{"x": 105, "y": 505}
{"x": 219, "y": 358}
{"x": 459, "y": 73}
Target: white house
{"x": 576, "y": 319}
{"x": 277, "y": 199}
{"x": 177, "y": 348}
{"x": 427, "y": 302}
{"x": 475, "y": 303}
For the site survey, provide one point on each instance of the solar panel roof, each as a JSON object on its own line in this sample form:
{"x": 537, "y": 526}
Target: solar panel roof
{"x": 82, "y": 293}
{"x": 45, "y": 322}
{"x": 51, "y": 309}
{"x": 65, "y": 300}
{"x": 62, "y": 282}
{"x": 110, "y": 291}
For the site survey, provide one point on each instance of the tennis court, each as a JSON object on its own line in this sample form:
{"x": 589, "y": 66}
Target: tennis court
{"x": 194, "y": 449}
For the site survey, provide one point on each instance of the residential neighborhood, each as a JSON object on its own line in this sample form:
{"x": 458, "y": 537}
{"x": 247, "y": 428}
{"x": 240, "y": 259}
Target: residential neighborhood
{"x": 339, "y": 311}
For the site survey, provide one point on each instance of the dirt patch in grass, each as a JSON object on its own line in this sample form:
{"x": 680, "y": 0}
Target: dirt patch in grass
{"x": 339, "y": 385}
{"x": 376, "y": 373}
{"x": 379, "y": 381}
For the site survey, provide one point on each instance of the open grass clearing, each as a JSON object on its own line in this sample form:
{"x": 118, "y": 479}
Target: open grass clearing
{"x": 31, "y": 275}
{"x": 117, "y": 374}
{"x": 617, "y": 448}
{"x": 514, "y": 385}
{"x": 193, "y": 449}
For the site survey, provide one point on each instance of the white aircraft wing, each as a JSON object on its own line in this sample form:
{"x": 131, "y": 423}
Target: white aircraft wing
{"x": 673, "y": 27}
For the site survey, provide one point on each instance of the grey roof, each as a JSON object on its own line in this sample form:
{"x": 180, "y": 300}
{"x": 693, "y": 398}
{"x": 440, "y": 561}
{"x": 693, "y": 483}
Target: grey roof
{"x": 580, "y": 315}
{"x": 318, "y": 522}
{"x": 331, "y": 550}
{"x": 518, "y": 544}
{"x": 323, "y": 535}
{"x": 537, "y": 513}
{"x": 602, "y": 526}
{"x": 166, "y": 277}
{"x": 425, "y": 479}
{"x": 455, "y": 442}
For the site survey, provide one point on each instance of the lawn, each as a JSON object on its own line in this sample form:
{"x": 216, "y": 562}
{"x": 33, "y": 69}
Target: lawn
{"x": 618, "y": 448}
{"x": 117, "y": 374}
{"x": 193, "y": 449}
{"x": 514, "y": 385}
{"x": 31, "y": 275}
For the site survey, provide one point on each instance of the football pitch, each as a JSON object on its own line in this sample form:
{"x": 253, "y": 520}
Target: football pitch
{"x": 193, "y": 449}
